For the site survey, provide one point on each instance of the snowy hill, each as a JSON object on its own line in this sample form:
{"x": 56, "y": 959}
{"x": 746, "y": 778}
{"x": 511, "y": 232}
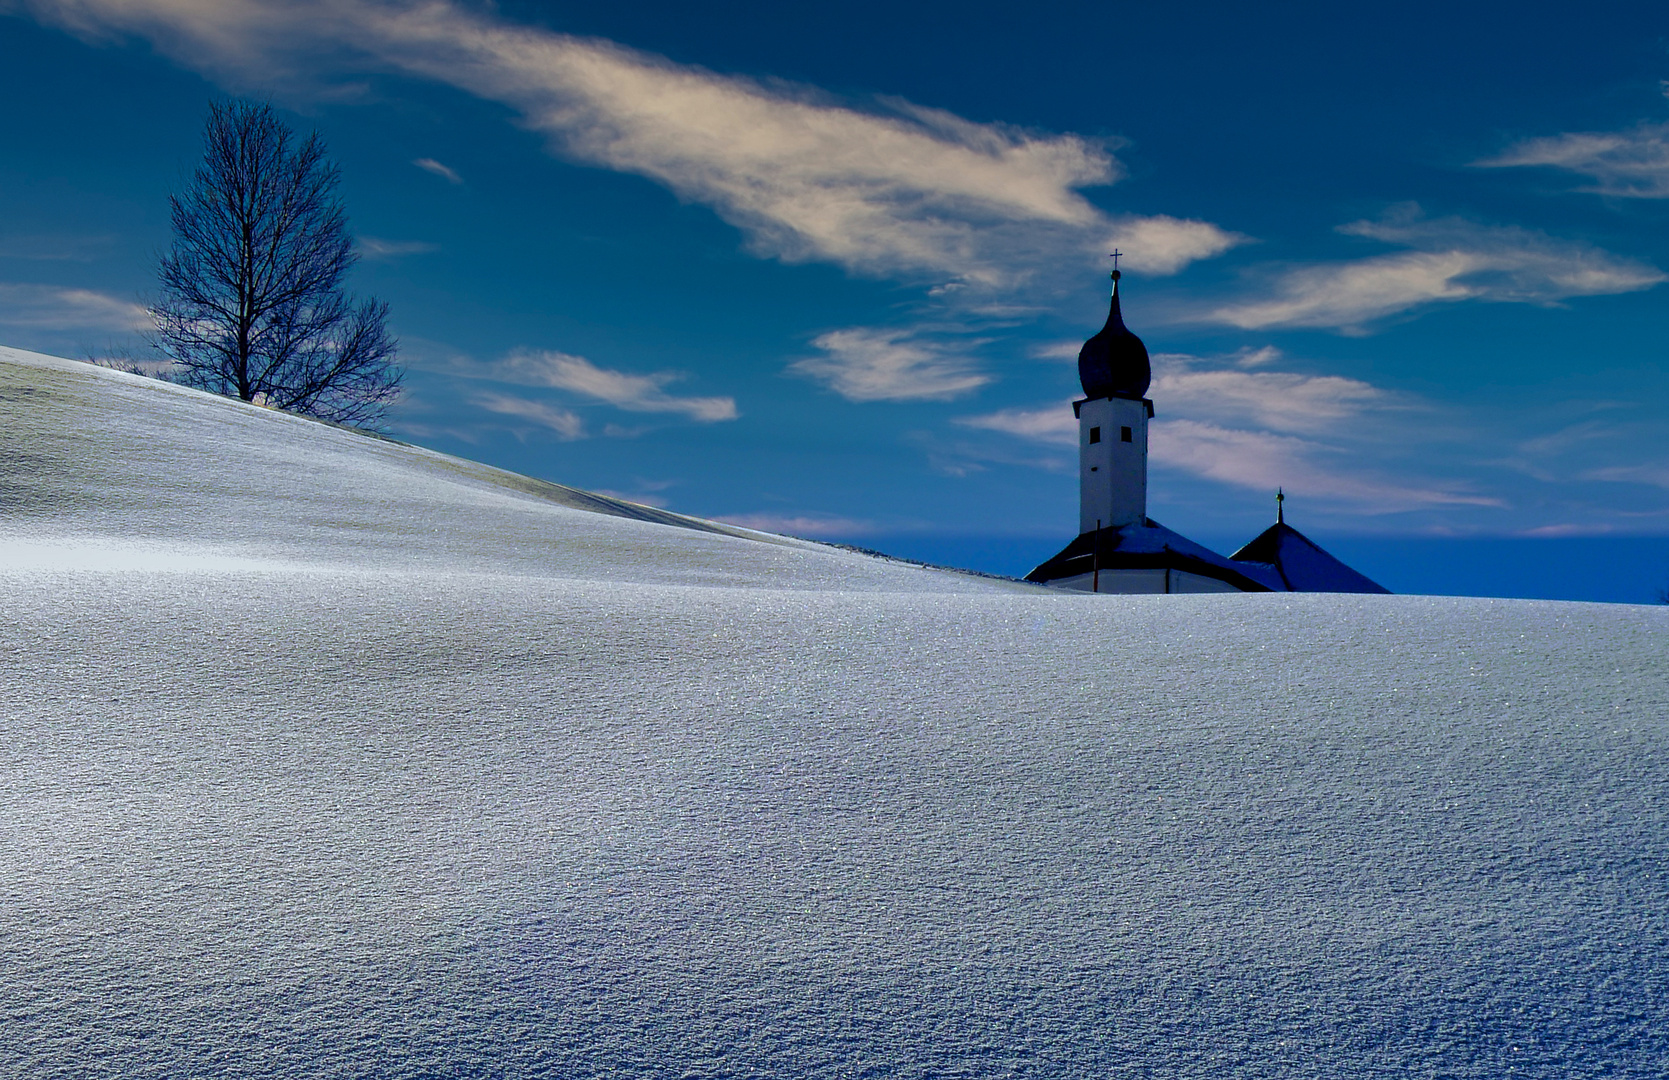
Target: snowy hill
{"x": 113, "y": 469}
{"x": 326, "y": 756}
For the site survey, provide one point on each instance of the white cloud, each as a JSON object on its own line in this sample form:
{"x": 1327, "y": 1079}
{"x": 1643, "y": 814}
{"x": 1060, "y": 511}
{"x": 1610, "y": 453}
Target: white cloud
{"x": 1221, "y": 390}
{"x": 1584, "y": 528}
{"x": 1349, "y": 294}
{"x": 1453, "y": 259}
{"x": 1257, "y": 429}
{"x": 1560, "y": 442}
{"x": 1256, "y": 358}
{"x": 1058, "y": 350}
{"x": 430, "y": 165}
{"x": 866, "y": 364}
{"x": 1051, "y": 425}
{"x": 1165, "y": 245}
{"x": 566, "y": 424}
{"x": 1263, "y": 461}
{"x": 379, "y": 250}
{"x": 893, "y": 190}
{"x": 1633, "y": 164}
{"x": 813, "y": 525}
{"x": 1655, "y": 474}
{"x": 976, "y": 453}
{"x": 1513, "y": 263}
{"x": 66, "y": 310}
{"x": 635, "y": 393}
{"x": 1279, "y": 400}
{"x": 562, "y": 371}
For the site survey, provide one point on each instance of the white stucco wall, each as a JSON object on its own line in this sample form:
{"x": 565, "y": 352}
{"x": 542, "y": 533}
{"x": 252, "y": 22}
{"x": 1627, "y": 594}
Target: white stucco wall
{"x": 1145, "y": 581}
{"x": 1112, "y": 473}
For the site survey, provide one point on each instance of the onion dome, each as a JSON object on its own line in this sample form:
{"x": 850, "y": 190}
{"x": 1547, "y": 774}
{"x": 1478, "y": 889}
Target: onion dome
{"x": 1114, "y": 362}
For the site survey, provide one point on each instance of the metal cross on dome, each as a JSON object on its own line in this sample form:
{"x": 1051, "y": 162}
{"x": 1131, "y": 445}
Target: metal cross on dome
{"x": 1114, "y": 256}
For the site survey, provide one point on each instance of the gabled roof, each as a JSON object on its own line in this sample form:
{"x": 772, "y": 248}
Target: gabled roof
{"x": 1151, "y": 546}
{"x": 1301, "y": 565}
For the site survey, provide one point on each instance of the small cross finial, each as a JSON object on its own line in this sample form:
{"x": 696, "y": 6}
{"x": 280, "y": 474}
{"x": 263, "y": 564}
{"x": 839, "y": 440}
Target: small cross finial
{"x": 1280, "y": 513}
{"x": 1115, "y": 257}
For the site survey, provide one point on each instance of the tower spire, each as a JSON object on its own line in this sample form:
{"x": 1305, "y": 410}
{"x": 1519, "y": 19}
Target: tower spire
{"x": 1280, "y": 513}
{"x": 1114, "y": 362}
{"x": 1112, "y": 425}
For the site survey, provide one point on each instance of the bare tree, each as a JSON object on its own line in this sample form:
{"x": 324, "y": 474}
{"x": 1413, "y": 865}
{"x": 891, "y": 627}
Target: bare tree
{"x": 252, "y": 302}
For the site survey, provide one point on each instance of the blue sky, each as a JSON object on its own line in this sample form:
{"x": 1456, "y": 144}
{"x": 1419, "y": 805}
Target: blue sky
{"x": 823, "y": 268}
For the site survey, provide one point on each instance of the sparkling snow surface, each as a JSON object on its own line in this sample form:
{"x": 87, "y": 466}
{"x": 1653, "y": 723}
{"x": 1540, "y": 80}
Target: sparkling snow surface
{"x": 325, "y": 757}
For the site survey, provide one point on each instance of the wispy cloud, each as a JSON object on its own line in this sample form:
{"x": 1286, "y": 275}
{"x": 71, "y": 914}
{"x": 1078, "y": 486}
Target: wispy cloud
{"x": 892, "y": 189}
{"x": 1230, "y": 420}
{"x": 821, "y": 526}
{"x": 56, "y": 248}
{"x": 1220, "y": 389}
{"x": 1655, "y": 474}
{"x": 1055, "y": 424}
{"x": 550, "y": 369}
{"x": 69, "y": 311}
{"x": 646, "y": 492}
{"x": 430, "y": 165}
{"x": 1452, "y": 259}
{"x": 1560, "y": 442}
{"x": 1579, "y": 440}
{"x": 1278, "y": 400}
{"x": 1574, "y": 528}
{"x": 1264, "y": 460}
{"x": 1632, "y": 164}
{"x": 1256, "y": 358}
{"x": 977, "y": 453}
{"x": 1057, "y": 350}
{"x": 379, "y": 250}
{"x": 1162, "y": 244}
{"x": 566, "y": 424}
{"x": 868, "y": 364}
{"x": 634, "y": 393}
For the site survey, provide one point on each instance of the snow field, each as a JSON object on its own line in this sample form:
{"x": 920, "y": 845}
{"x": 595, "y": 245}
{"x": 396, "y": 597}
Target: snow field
{"x": 319, "y": 756}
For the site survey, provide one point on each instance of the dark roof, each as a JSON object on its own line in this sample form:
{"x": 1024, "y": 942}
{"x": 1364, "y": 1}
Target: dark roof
{"x": 1114, "y": 362}
{"x": 1151, "y": 546}
{"x": 1301, "y": 565}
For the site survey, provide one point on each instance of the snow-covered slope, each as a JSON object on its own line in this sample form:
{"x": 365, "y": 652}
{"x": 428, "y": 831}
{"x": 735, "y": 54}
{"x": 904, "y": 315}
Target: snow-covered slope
{"x": 106, "y": 466}
{"x": 321, "y": 756}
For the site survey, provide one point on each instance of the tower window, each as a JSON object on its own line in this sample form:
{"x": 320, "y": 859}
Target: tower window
{"x": 1124, "y": 435}
{"x": 1094, "y": 434}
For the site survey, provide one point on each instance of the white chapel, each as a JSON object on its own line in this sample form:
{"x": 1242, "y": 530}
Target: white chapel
{"x": 1119, "y": 548}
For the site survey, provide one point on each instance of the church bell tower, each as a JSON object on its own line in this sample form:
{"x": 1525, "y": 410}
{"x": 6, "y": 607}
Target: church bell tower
{"x": 1119, "y": 549}
{"x": 1112, "y": 425}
